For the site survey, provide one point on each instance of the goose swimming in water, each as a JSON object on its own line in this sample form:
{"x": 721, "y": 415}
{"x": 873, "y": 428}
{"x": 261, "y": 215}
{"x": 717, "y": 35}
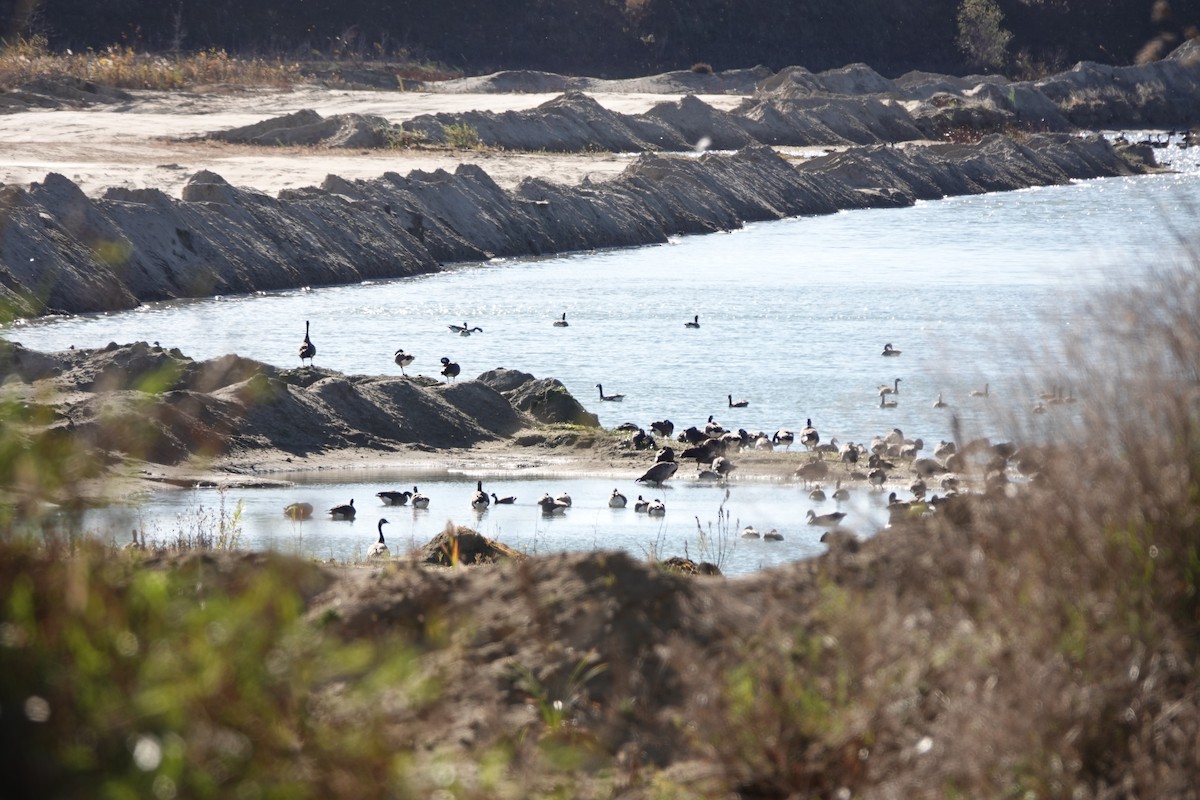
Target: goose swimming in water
{"x": 695, "y": 323}
{"x": 379, "y": 549}
{"x": 888, "y": 350}
{"x": 503, "y": 501}
{"x": 403, "y": 359}
{"x": 307, "y": 348}
{"x": 825, "y": 520}
{"x": 480, "y": 500}
{"x": 298, "y": 511}
{"x": 345, "y": 512}
{"x": 893, "y": 389}
{"x": 939, "y": 403}
{"x": 617, "y": 500}
{"x": 463, "y": 330}
{"x": 656, "y": 508}
{"x": 614, "y": 398}
{"x": 773, "y": 535}
{"x": 390, "y": 498}
{"x": 550, "y": 506}
{"x": 561, "y": 323}
{"x": 885, "y": 403}
{"x": 419, "y": 500}
{"x": 981, "y": 392}
{"x": 738, "y": 404}
{"x": 450, "y": 369}
{"x": 640, "y": 505}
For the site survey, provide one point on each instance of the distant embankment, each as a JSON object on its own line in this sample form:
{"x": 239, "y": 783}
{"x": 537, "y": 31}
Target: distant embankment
{"x": 63, "y": 252}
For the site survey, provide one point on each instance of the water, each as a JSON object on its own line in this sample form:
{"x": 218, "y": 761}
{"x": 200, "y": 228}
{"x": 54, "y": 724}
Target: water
{"x": 793, "y": 316}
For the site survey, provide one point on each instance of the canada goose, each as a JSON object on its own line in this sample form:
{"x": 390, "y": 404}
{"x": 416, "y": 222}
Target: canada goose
{"x": 344, "y": 511}
{"x": 614, "y": 398}
{"x": 551, "y": 506}
{"x": 841, "y": 494}
{"x": 665, "y": 454}
{"x": 848, "y": 453}
{"x": 749, "y": 532}
{"x": 659, "y": 473}
{"x": 773, "y": 535}
{"x": 784, "y": 437}
{"x": 939, "y": 403}
{"x": 885, "y": 403}
{"x": 877, "y": 477}
{"x": 561, "y": 323}
{"x": 298, "y": 511}
{"x": 136, "y": 545}
{"x": 888, "y": 350}
{"x": 419, "y": 500}
{"x": 713, "y": 429}
{"x": 738, "y": 404}
{"x": 403, "y": 359}
{"x": 809, "y": 436}
{"x": 640, "y": 504}
{"x": 307, "y": 349}
{"x": 617, "y": 500}
{"x": 893, "y": 389}
{"x": 695, "y": 323}
{"x": 656, "y": 508}
{"x": 480, "y": 500}
{"x": 379, "y": 549}
{"x": 981, "y": 392}
{"x": 812, "y": 471}
{"x": 723, "y": 466}
{"x": 503, "y": 501}
{"x": 830, "y": 447}
{"x": 817, "y": 495}
{"x": 394, "y": 498}
{"x": 825, "y": 520}
{"x": 450, "y": 369}
{"x": 663, "y": 427}
{"x": 563, "y": 498}
{"x": 463, "y": 330}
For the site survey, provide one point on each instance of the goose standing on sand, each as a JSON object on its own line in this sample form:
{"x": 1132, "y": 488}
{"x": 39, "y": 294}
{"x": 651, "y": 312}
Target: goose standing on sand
{"x": 419, "y": 500}
{"x": 695, "y": 323}
{"x": 783, "y": 437}
{"x": 298, "y": 511}
{"x": 450, "y": 369}
{"x": 390, "y": 498}
{"x": 617, "y": 500}
{"x": 403, "y": 359}
{"x": 738, "y": 404}
{"x": 307, "y": 349}
{"x": 561, "y": 323}
{"x": 888, "y": 350}
{"x": 344, "y": 512}
{"x": 612, "y": 398}
{"x": 663, "y": 427}
{"x": 809, "y": 436}
{"x": 379, "y": 549}
{"x": 503, "y": 501}
{"x": 480, "y": 500}
{"x": 713, "y": 429}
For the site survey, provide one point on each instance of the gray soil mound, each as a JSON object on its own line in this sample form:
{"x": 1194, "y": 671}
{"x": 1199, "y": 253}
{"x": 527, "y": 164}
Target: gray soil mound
{"x": 65, "y": 252}
{"x": 460, "y": 545}
{"x": 310, "y": 128}
{"x": 59, "y": 92}
{"x": 145, "y": 402}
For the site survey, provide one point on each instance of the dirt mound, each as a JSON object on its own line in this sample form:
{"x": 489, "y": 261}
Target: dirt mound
{"x": 465, "y": 546}
{"x": 145, "y": 402}
{"x": 59, "y": 92}
{"x": 307, "y": 127}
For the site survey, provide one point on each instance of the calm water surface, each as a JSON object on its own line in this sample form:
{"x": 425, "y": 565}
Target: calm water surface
{"x": 793, "y": 316}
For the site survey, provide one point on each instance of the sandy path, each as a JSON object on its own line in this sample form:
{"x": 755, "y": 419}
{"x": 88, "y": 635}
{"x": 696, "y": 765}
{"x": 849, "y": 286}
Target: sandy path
{"x": 136, "y": 144}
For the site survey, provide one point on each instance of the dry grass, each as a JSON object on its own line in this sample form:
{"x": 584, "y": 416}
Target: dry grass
{"x": 123, "y": 68}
